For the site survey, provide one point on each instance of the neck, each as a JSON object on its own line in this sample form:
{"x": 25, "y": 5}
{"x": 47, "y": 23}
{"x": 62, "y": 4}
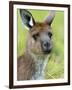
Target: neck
{"x": 40, "y": 64}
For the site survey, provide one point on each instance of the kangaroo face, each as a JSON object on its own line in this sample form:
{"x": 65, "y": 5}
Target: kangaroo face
{"x": 42, "y": 36}
{"x": 40, "y": 40}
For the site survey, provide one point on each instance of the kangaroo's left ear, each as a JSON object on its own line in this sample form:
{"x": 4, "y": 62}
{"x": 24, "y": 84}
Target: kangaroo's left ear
{"x": 50, "y": 18}
{"x": 27, "y": 18}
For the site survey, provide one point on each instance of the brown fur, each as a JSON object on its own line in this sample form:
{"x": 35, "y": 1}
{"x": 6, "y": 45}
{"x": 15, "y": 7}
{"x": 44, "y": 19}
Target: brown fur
{"x": 35, "y": 46}
{"x": 39, "y": 27}
{"x": 26, "y": 64}
{"x": 26, "y": 67}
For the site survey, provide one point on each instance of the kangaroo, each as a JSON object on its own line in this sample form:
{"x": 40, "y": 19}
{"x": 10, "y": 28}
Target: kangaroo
{"x": 31, "y": 65}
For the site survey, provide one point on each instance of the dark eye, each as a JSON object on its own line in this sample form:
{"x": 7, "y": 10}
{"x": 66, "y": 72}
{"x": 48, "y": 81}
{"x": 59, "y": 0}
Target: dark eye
{"x": 35, "y": 36}
{"x": 50, "y": 34}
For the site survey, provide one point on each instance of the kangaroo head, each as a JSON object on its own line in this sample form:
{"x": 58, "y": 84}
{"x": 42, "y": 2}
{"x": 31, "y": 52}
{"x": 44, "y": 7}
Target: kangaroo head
{"x": 40, "y": 33}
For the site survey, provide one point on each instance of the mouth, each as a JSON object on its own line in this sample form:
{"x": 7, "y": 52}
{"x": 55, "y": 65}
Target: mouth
{"x": 47, "y": 51}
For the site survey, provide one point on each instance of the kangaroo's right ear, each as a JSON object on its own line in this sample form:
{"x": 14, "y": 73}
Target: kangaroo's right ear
{"x": 51, "y": 16}
{"x": 27, "y": 18}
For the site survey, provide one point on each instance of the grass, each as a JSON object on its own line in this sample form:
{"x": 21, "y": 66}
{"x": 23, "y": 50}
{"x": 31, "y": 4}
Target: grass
{"x": 55, "y": 65}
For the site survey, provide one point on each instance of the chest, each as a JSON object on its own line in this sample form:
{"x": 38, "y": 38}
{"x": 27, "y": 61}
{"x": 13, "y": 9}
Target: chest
{"x": 40, "y": 65}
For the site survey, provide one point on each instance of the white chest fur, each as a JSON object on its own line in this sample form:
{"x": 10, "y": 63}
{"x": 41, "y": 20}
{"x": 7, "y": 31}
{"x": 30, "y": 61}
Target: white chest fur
{"x": 40, "y": 67}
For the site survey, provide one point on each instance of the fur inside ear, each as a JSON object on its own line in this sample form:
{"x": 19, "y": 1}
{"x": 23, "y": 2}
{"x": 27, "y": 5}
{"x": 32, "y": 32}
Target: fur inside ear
{"x": 50, "y": 18}
{"x": 27, "y": 18}
{"x": 31, "y": 22}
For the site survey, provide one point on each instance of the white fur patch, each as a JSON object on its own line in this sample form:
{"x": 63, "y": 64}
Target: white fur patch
{"x": 33, "y": 41}
{"x": 40, "y": 67}
{"x": 31, "y": 22}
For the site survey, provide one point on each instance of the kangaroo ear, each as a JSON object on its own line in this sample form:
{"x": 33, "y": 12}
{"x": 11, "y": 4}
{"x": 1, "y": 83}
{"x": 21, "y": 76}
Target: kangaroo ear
{"x": 27, "y": 18}
{"x": 50, "y": 18}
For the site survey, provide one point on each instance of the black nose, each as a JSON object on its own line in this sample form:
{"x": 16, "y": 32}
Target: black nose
{"x": 46, "y": 45}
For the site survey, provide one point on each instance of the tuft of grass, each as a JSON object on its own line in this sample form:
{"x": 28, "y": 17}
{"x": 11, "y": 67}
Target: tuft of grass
{"x": 55, "y": 65}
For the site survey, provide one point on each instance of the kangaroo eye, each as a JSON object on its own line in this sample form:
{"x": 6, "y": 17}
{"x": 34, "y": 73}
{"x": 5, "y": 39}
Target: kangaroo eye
{"x": 50, "y": 34}
{"x": 35, "y": 36}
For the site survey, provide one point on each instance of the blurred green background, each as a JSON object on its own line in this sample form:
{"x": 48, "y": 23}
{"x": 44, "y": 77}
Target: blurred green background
{"x": 55, "y": 66}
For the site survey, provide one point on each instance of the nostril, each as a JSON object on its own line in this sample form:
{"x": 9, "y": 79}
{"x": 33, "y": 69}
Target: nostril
{"x": 46, "y": 44}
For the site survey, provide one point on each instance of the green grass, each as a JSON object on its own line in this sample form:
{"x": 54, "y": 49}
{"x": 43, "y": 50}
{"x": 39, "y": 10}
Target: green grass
{"x": 55, "y": 66}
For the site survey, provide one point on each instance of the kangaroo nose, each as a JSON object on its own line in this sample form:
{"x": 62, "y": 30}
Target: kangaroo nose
{"x": 46, "y": 45}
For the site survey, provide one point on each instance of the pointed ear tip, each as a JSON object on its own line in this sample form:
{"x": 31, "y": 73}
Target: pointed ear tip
{"x": 21, "y": 10}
